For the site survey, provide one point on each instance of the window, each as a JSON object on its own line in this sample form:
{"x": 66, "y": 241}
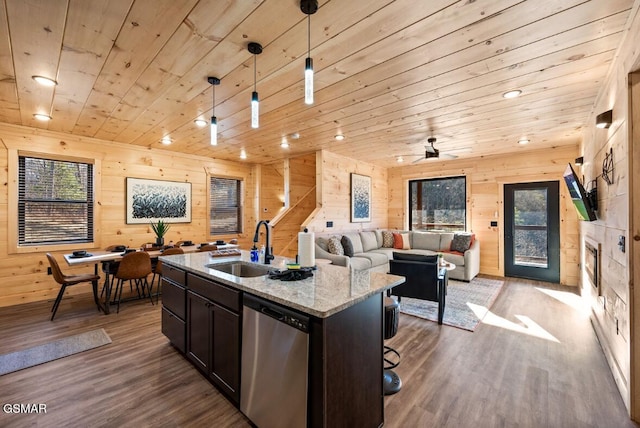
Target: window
{"x": 55, "y": 201}
{"x": 438, "y": 204}
{"x": 226, "y": 210}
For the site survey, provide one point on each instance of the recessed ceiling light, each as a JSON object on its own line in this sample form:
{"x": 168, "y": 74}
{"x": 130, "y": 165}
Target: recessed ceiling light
{"x": 295, "y": 136}
{"x": 512, "y": 94}
{"x": 42, "y": 117}
{"x": 523, "y": 141}
{"x": 339, "y": 137}
{"x": 243, "y": 154}
{"x": 284, "y": 144}
{"x": 44, "y": 81}
{"x": 166, "y": 140}
{"x": 400, "y": 159}
{"x": 200, "y": 123}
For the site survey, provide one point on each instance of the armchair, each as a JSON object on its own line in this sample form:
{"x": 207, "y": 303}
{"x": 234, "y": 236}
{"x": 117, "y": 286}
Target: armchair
{"x": 424, "y": 280}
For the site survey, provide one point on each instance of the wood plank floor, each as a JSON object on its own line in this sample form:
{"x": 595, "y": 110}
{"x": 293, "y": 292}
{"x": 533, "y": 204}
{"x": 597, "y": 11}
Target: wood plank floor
{"x": 498, "y": 376}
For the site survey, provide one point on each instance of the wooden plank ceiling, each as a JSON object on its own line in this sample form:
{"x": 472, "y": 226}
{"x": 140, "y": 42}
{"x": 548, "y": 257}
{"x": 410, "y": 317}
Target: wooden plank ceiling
{"x": 388, "y": 74}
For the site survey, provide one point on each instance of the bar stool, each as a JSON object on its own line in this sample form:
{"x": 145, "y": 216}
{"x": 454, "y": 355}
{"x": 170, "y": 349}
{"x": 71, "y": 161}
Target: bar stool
{"x": 391, "y": 380}
{"x": 135, "y": 266}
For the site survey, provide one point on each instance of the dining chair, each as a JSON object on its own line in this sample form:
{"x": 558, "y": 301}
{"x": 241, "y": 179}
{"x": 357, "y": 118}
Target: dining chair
{"x": 136, "y": 267}
{"x": 209, "y": 247}
{"x": 68, "y": 280}
{"x": 157, "y": 271}
{"x": 110, "y": 267}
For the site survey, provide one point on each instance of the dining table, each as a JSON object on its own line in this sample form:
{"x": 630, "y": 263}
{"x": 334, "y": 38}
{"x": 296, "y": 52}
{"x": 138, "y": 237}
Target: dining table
{"x": 96, "y": 257}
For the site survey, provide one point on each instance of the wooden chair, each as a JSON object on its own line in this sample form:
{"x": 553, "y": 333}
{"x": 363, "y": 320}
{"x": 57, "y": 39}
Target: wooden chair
{"x": 134, "y": 267}
{"x": 68, "y": 280}
{"x": 158, "y": 268}
{"x": 209, "y": 247}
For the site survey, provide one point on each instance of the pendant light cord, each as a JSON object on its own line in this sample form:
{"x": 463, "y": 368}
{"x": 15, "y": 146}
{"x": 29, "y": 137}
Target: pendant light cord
{"x": 308, "y": 36}
{"x": 213, "y": 100}
{"x": 254, "y": 72}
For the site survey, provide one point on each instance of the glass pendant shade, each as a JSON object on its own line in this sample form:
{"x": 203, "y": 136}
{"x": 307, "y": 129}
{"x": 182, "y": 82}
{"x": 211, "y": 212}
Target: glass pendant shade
{"x": 308, "y": 81}
{"x": 255, "y": 110}
{"x": 214, "y": 131}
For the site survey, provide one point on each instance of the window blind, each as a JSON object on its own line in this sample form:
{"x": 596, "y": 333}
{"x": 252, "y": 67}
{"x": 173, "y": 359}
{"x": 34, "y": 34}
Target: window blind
{"x": 55, "y": 201}
{"x": 226, "y": 212}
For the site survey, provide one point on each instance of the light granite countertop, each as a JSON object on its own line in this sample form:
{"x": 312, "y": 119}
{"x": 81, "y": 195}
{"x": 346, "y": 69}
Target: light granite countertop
{"x": 330, "y": 290}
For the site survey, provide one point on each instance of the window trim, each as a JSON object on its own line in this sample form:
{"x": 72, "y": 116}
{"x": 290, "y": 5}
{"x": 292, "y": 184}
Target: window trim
{"x": 12, "y": 203}
{"x": 241, "y": 203}
{"x": 467, "y": 207}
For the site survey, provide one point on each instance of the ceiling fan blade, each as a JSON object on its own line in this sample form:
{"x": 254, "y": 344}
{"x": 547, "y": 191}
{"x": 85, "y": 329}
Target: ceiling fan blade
{"x": 448, "y": 156}
{"x": 418, "y": 160}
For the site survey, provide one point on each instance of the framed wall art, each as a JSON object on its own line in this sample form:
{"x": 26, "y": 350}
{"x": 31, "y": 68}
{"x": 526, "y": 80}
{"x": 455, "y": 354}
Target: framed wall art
{"x": 153, "y": 200}
{"x": 360, "y": 198}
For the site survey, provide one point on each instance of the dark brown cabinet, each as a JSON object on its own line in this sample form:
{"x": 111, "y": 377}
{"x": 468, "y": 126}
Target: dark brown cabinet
{"x": 174, "y": 307}
{"x": 213, "y": 336}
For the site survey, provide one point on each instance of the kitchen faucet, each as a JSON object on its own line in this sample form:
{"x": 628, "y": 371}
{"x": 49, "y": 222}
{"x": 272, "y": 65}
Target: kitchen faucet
{"x": 268, "y": 250}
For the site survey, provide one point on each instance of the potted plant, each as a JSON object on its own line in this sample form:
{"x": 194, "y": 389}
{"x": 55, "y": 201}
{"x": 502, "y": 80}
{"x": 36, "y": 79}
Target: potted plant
{"x": 160, "y": 229}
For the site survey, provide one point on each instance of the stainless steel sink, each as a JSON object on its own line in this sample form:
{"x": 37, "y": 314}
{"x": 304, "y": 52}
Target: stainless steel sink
{"x": 240, "y": 269}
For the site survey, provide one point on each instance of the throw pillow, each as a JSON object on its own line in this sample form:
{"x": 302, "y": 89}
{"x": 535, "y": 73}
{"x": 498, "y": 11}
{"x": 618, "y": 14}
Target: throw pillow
{"x": 461, "y": 242}
{"x": 406, "y": 244}
{"x": 335, "y": 246}
{"x": 387, "y": 239}
{"x": 401, "y": 241}
{"x": 347, "y": 246}
{"x": 415, "y": 257}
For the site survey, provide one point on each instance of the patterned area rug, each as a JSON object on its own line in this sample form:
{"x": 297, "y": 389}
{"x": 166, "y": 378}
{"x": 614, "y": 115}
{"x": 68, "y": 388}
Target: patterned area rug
{"x": 457, "y": 313}
{"x": 40, "y": 354}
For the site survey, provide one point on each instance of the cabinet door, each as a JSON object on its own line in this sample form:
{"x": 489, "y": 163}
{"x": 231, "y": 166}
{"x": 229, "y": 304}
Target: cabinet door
{"x": 225, "y": 351}
{"x": 198, "y": 330}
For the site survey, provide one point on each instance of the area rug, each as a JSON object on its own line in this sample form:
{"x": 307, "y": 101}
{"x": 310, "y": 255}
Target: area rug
{"x": 457, "y": 312}
{"x": 60, "y": 348}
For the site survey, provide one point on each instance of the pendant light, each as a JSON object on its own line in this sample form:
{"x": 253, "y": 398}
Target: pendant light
{"x": 214, "y": 120}
{"x": 309, "y": 7}
{"x": 255, "y": 49}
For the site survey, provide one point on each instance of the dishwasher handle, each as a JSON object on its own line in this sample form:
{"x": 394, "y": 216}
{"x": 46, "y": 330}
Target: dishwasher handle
{"x": 272, "y": 313}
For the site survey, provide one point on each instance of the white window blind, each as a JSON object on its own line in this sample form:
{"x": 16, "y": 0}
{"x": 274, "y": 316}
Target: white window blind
{"x": 55, "y": 201}
{"x": 226, "y": 211}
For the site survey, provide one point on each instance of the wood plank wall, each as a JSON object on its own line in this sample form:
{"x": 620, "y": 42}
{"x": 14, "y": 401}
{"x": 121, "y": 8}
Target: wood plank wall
{"x": 613, "y": 310}
{"x": 333, "y": 190}
{"x": 486, "y": 177}
{"x": 23, "y": 277}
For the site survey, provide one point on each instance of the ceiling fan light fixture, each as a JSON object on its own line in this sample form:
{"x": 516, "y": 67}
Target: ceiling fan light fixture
{"x": 512, "y": 94}
{"x": 308, "y": 7}
{"x": 44, "y": 81}
{"x": 255, "y": 49}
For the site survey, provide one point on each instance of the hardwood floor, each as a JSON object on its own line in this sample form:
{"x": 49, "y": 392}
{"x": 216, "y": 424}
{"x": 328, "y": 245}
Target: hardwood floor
{"x": 494, "y": 377}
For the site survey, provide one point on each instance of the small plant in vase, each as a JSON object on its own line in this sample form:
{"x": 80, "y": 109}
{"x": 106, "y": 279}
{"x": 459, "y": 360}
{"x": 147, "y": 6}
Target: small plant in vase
{"x": 160, "y": 229}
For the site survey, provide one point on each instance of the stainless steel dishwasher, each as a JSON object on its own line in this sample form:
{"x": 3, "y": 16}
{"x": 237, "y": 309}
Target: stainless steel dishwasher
{"x": 275, "y": 362}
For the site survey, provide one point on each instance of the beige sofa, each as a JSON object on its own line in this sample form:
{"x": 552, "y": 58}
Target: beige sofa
{"x": 368, "y": 251}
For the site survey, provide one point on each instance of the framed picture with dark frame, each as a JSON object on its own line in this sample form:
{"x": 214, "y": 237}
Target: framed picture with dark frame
{"x": 360, "y": 198}
{"x": 153, "y": 200}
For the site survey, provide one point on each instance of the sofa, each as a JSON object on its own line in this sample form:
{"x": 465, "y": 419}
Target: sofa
{"x": 373, "y": 249}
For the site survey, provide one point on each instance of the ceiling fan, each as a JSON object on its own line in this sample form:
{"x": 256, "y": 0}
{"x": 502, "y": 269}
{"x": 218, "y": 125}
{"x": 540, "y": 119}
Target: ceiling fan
{"x": 432, "y": 153}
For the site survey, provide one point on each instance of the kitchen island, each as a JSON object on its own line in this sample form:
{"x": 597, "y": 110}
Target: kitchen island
{"x": 203, "y": 316}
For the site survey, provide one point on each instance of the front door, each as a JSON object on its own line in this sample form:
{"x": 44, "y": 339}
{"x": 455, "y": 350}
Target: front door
{"x": 532, "y": 231}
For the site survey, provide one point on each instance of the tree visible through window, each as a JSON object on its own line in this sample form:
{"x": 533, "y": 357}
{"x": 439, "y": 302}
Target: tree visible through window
{"x": 438, "y": 204}
{"x": 226, "y": 210}
{"x": 55, "y": 201}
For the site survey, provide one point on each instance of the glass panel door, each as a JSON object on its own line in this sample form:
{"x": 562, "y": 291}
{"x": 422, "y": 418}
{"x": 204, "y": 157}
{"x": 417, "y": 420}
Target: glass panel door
{"x": 532, "y": 231}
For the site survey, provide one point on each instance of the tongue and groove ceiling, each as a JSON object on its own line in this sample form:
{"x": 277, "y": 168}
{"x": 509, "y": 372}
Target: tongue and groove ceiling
{"x": 388, "y": 74}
